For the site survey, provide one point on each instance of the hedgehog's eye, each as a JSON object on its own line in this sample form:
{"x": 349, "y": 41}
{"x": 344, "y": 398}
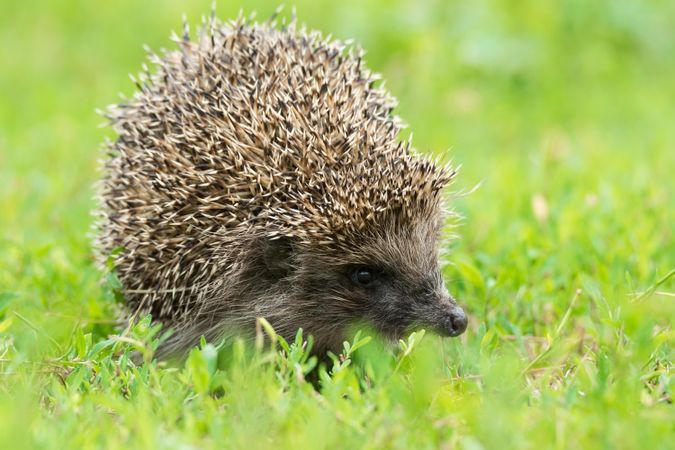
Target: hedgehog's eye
{"x": 364, "y": 276}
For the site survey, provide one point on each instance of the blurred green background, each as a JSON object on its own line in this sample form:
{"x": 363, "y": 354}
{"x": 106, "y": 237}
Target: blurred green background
{"x": 563, "y": 111}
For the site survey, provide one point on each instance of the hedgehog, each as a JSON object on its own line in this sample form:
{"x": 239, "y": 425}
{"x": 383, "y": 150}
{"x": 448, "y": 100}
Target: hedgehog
{"x": 258, "y": 172}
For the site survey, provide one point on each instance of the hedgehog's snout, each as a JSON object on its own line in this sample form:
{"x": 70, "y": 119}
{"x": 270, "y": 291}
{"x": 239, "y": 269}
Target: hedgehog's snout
{"x": 450, "y": 318}
{"x": 454, "y": 322}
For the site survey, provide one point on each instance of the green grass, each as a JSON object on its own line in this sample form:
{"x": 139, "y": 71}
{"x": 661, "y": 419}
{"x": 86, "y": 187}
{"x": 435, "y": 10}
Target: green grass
{"x": 562, "y": 111}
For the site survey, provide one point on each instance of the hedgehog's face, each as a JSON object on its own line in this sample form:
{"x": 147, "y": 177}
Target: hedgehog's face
{"x": 398, "y": 282}
{"x": 392, "y": 282}
{"x": 396, "y": 303}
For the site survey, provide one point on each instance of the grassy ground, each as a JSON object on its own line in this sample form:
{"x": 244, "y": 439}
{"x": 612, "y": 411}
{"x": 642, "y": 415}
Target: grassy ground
{"x": 563, "y": 110}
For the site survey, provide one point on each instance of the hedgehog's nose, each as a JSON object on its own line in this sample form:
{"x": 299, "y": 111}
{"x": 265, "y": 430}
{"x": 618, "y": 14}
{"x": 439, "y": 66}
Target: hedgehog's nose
{"x": 455, "y": 322}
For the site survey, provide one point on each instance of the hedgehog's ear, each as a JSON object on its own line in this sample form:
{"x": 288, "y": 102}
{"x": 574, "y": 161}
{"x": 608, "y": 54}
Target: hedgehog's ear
{"x": 277, "y": 256}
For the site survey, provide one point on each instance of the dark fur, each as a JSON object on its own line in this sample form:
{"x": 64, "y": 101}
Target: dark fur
{"x": 310, "y": 288}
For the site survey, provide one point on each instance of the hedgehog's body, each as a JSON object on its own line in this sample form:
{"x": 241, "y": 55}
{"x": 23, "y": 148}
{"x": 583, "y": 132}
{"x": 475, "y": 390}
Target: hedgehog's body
{"x": 257, "y": 173}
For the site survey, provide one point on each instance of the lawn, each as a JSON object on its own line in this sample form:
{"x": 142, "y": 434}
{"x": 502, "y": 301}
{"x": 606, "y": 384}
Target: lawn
{"x": 562, "y": 116}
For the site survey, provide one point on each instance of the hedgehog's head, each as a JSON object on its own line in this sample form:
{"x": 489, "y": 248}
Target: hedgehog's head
{"x": 395, "y": 275}
{"x": 389, "y": 280}
{"x": 373, "y": 260}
